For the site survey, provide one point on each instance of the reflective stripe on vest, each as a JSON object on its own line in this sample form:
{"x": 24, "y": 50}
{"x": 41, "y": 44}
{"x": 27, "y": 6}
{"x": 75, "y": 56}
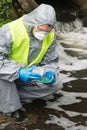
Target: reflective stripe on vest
{"x": 21, "y": 41}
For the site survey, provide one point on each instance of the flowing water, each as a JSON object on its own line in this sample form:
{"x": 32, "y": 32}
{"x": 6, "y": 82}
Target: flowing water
{"x": 72, "y": 103}
{"x": 67, "y": 109}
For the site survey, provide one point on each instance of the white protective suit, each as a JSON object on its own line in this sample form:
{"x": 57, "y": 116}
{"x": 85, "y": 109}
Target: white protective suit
{"x": 13, "y": 90}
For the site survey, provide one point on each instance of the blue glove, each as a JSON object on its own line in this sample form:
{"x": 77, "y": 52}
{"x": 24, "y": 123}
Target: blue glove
{"x": 48, "y": 78}
{"x": 26, "y": 74}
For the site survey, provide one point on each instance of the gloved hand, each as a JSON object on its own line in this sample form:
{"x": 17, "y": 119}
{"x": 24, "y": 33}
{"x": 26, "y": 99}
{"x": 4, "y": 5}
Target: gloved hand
{"x": 48, "y": 78}
{"x": 26, "y": 74}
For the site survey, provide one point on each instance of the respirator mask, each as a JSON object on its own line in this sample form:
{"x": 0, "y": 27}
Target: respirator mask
{"x": 40, "y": 35}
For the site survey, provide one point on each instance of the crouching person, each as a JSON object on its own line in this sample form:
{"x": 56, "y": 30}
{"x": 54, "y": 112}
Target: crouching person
{"x": 28, "y": 60}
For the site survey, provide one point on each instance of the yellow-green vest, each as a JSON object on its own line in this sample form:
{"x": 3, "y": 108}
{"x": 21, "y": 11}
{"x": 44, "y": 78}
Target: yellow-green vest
{"x": 21, "y": 43}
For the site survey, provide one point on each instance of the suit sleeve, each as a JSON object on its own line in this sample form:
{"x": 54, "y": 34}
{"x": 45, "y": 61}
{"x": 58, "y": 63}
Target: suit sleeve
{"x": 8, "y": 68}
{"x": 50, "y": 60}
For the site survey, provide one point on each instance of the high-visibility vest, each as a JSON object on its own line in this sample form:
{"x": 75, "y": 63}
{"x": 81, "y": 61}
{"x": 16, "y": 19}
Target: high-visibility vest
{"x": 21, "y": 43}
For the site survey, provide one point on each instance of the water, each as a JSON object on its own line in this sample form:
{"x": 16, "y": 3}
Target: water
{"x": 67, "y": 109}
{"x": 72, "y": 104}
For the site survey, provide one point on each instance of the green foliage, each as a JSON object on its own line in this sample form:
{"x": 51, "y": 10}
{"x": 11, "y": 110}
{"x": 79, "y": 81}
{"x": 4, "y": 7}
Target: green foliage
{"x": 10, "y": 1}
{"x": 4, "y": 11}
{"x": 2, "y": 21}
{"x": 4, "y": 1}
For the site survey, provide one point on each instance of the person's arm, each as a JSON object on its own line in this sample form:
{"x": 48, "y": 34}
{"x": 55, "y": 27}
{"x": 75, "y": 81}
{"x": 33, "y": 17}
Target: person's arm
{"x": 50, "y": 61}
{"x": 8, "y": 68}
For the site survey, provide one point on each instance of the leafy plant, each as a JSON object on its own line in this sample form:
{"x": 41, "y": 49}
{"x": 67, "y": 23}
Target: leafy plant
{"x": 4, "y": 11}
